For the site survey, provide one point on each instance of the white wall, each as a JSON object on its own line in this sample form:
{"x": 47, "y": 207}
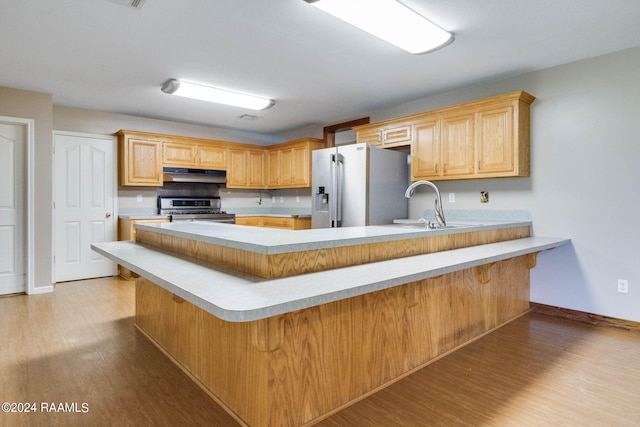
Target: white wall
{"x": 584, "y": 184}
{"x": 88, "y": 121}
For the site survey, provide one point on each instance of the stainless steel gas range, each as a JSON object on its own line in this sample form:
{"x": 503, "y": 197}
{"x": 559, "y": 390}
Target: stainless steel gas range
{"x": 194, "y": 209}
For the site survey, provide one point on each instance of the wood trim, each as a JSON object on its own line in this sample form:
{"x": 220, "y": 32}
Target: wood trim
{"x": 584, "y": 317}
{"x": 329, "y": 132}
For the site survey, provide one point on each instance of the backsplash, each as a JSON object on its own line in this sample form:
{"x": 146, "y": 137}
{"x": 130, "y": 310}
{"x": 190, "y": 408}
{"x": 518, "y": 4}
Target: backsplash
{"x": 481, "y": 214}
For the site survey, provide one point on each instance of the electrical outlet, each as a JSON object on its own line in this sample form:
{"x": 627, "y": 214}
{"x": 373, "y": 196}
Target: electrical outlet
{"x": 452, "y": 197}
{"x": 623, "y": 286}
{"x": 297, "y": 199}
{"x": 281, "y": 199}
{"x": 139, "y": 198}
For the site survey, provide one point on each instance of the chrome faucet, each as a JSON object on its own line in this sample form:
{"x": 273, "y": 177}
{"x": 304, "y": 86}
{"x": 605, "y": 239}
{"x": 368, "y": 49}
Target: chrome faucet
{"x": 439, "y": 211}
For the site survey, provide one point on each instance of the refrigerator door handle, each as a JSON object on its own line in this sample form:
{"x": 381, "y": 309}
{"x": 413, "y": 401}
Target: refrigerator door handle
{"x": 338, "y": 189}
{"x": 335, "y": 207}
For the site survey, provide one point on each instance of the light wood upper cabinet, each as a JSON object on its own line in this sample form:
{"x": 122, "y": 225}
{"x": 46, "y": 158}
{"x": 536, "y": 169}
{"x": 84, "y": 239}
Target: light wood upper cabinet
{"x": 457, "y": 145}
{"x": 289, "y": 163}
{"x": 179, "y": 155}
{"x": 273, "y": 168}
{"x": 211, "y": 157}
{"x": 246, "y": 168}
{"x": 369, "y": 135}
{"x": 426, "y": 161}
{"x": 488, "y": 138}
{"x": 194, "y": 155}
{"x": 142, "y": 156}
{"x": 392, "y": 134}
{"x": 300, "y": 170}
{"x": 285, "y": 165}
{"x": 139, "y": 160}
{"x": 496, "y": 154}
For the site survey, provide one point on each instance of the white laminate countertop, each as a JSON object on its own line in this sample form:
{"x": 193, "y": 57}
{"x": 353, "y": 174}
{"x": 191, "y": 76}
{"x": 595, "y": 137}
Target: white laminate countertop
{"x": 276, "y": 241}
{"x": 236, "y": 297}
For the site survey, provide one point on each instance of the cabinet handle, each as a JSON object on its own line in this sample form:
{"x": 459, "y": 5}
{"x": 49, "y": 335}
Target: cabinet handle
{"x": 436, "y": 168}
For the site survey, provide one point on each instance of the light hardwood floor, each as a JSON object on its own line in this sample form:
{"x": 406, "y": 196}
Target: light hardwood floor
{"x": 79, "y": 345}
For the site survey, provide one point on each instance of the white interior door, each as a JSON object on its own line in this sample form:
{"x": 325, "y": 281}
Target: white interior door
{"x": 84, "y": 198}
{"x": 13, "y": 235}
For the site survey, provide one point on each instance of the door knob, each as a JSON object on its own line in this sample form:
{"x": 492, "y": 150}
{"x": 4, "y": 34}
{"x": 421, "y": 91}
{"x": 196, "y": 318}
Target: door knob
{"x": 107, "y": 215}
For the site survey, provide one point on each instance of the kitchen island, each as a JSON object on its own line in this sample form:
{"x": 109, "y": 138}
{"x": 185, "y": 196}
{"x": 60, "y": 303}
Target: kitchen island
{"x": 336, "y": 314}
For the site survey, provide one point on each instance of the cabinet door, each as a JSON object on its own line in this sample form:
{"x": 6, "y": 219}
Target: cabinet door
{"x": 371, "y": 136}
{"x": 141, "y": 162}
{"x": 425, "y": 150}
{"x": 256, "y": 172}
{"x": 179, "y": 155}
{"x": 458, "y": 145}
{"x": 237, "y": 169}
{"x": 495, "y": 140}
{"x": 301, "y": 166}
{"x": 286, "y": 167}
{"x": 255, "y": 221}
{"x": 275, "y": 222}
{"x": 397, "y": 136}
{"x": 273, "y": 169}
{"x": 212, "y": 157}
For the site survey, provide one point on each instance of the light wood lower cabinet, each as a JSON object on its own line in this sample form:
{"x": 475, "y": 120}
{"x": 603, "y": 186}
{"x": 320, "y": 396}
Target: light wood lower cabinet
{"x": 127, "y": 231}
{"x": 287, "y": 223}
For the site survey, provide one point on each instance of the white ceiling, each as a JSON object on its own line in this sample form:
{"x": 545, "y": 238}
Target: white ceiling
{"x": 94, "y": 54}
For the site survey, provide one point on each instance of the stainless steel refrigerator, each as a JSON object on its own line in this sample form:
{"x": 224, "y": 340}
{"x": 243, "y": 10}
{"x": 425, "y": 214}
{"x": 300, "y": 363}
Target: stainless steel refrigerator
{"x": 358, "y": 184}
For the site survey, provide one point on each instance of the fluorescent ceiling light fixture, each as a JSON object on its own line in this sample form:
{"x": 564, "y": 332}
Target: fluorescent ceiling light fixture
{"x": 214, "y": 94}
{"x": 389, "y": 20}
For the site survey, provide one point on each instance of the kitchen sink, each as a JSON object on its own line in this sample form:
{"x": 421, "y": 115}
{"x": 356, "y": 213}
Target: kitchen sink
{"x": 414, "y": 223}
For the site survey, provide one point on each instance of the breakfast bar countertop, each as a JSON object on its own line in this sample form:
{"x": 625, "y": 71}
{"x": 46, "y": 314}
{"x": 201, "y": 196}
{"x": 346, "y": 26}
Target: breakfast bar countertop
{"x": 272, "y": 241}
{"x": 239, "y": 297}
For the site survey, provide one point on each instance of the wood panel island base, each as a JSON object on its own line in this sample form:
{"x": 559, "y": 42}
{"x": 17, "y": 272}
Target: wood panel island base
{"x": 295, "y": 366}
{"x": 299, "y": 367}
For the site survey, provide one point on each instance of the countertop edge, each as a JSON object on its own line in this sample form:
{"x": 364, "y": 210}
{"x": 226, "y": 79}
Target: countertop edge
{"x": 241, "y": 298}
{"x": 251, "y": 242}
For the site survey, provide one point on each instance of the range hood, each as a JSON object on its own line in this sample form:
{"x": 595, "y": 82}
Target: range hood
{"x": 204, "y": 176}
